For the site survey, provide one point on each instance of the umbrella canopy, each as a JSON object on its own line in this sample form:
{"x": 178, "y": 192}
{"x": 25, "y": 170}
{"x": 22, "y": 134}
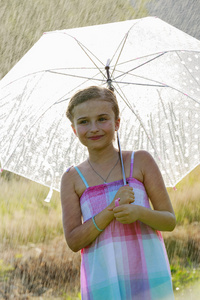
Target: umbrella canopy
{"x": 155, "y": 71}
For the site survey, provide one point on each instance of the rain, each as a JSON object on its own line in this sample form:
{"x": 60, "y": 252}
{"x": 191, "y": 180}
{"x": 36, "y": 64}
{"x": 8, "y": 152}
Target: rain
{"x": 35, "y": 262}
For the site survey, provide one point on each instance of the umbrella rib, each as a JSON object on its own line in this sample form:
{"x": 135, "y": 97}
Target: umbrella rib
{"x": 77, "y": 76}
{"x": 83, "y": 47}
{"x": 161, "y": 85}
{"x": 141, "y": 65}
{"x": 60, "y": 100}
{"x": 37, "y": 72}
{"x": 125, "y": 38}
{"x": 142, "y": 84}
{"x": 157, "y": 53}
{"x": 124, "y": 98}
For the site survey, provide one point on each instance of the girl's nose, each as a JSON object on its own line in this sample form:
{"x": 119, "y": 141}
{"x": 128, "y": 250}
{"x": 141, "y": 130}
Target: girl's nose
{"x": 94, "y": 127}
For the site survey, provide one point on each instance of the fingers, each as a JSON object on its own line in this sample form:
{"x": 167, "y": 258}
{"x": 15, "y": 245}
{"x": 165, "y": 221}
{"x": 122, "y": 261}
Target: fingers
{"x": 110, "y": 208}
{"x": 131, "y": 198}
{"x": 120, "y": 208}
{"x": 126, "y": 192}
{"x": 127, "y": 187}
{"x": 126, "y": 195}
{"x": 122, "y": 211}
{"x": 115, "y": 209}
{"x": 121, "y": 216}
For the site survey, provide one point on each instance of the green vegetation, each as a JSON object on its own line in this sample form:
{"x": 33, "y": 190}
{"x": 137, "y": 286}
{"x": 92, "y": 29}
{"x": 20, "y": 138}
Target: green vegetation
{"x": 183, "y": 277}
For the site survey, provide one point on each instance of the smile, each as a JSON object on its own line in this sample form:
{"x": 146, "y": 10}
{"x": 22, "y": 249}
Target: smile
{"x": 96, "y": 137}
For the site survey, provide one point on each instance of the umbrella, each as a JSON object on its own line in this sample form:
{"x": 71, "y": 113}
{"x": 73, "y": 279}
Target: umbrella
{"x": 155, "y": 71}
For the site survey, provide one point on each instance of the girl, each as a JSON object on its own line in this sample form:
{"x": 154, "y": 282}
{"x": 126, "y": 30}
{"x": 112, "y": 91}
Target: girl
{"x": 123, "y": 254}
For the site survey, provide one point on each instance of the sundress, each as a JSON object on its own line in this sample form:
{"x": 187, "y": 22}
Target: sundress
{"x": 126, "y": 261}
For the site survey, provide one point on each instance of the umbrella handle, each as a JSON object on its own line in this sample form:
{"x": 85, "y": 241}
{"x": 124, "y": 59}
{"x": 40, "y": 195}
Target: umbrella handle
{"x": 109, "y": 80}
{"x": 121, "y": 159}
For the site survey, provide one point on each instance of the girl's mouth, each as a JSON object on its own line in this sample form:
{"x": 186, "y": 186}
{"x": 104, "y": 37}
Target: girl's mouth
{"x": 96, "y": 137}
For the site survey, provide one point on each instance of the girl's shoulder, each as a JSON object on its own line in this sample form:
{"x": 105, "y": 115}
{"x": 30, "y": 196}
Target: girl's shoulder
{"x": 138, "y": 154}
{"x": 142, "y": 163}
{"x": 68, "y": 176}
{"x": 71, "y": 171}
{"x": 71, "y": 180}
{"x": 143, "y": 159}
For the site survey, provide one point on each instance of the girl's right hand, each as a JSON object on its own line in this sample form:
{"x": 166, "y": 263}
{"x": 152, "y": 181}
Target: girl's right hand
{"x": 126, "y": 195}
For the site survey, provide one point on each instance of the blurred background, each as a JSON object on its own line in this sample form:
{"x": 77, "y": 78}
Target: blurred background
{"x": 183, "y": 14}
{"x": 35, "y": 261}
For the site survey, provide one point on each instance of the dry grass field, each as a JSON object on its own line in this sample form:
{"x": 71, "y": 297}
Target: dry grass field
{"x": 35, "y": 262}
{"x": 22, "y": 22}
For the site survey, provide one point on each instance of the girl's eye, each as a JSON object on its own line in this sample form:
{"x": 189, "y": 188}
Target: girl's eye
{"x": 83, "y": 122}
{"x": 102, "y": 119}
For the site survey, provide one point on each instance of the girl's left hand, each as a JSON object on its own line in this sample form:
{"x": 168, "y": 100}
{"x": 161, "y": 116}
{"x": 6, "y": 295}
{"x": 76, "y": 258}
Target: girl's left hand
{"x": 127, "y": 213}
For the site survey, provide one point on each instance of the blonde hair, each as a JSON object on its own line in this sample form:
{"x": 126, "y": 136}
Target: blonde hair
{"x": 91, "y": 93}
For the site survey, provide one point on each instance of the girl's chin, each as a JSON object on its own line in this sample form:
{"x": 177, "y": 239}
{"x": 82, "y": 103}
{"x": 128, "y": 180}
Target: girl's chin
{"x": 98, "y": 143}
{"x": 99, "y": 146}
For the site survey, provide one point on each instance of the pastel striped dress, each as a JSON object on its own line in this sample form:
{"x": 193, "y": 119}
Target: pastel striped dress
{"x": 126, "y": 261}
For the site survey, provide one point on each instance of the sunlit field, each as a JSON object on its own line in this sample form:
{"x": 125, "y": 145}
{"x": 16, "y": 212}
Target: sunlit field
{"x": 24, "y": 21}
{"x": 183, "y": 244}
{"x": 35, "y": 261}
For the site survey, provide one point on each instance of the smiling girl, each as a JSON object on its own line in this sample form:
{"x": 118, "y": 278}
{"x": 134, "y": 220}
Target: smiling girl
{"x": 122, "y": 250}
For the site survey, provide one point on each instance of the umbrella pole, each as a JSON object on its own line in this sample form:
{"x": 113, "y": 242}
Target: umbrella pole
{"x": 110, "y": 87}
{"x": 121, "y": 159}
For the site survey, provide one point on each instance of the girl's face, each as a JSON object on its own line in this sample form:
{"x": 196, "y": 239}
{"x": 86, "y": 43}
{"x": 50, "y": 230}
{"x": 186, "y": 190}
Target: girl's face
{"x": 94, "y": 123}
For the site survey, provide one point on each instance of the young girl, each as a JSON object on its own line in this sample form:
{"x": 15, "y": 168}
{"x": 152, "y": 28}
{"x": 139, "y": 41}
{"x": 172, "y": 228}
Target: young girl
{"x": 123, "y": 254}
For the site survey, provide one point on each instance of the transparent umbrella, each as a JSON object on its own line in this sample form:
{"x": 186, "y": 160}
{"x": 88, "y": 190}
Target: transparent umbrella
{"x": 154, "y": 69}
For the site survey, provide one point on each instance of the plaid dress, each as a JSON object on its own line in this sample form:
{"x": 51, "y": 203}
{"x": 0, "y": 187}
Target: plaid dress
{"x": 126, "y": 261}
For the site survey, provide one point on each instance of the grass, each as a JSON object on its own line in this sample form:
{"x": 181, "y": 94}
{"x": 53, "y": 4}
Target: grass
{"x": 183, "y": 277}
{"x": 22, "y": 22}
{"x": 35, "y": 260}
{"x": 28, "y": 218}
{"x": 185, "y": 199}
{"x": 49, "y": 269}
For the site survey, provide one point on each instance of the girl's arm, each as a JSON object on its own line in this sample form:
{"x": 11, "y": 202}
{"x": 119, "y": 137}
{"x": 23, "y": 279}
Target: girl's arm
{"x": 162, "y": 217}
{"x": 80, "y": 235}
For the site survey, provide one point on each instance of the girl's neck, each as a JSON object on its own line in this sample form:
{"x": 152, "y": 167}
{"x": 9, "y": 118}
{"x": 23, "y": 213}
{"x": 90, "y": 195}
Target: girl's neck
{"x": 103, "y": 156}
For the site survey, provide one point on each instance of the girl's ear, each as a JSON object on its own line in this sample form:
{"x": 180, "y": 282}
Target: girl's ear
{"x": 117, "y": 123}
{"x": 73, "y": 128}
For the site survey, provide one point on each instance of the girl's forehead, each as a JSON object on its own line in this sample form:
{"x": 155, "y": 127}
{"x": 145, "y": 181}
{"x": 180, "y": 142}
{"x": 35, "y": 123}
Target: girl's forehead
{"x": 93, "y": 106}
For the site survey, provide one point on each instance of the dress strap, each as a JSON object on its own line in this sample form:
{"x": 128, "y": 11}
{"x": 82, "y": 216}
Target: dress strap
{"x": 82, "y": 177}
{"x": 132, "y": 161}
